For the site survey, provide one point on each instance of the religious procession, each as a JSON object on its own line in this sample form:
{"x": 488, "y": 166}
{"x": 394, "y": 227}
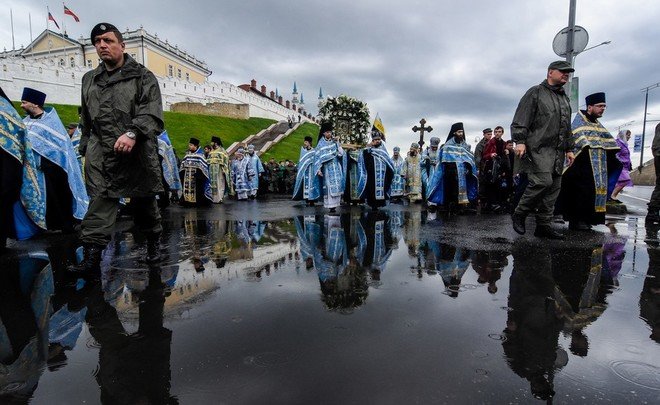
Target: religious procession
{"x": 346, "y": 250}
{"x": 550, "y": 166}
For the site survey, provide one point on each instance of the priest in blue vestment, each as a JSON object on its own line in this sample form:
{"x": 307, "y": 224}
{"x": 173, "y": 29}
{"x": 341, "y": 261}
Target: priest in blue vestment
{"x": 242, "y": 174}
{"x": 58, "y": 173}
{"x": 169, "y": 164}
{"x": 257, "y": 168}
{"x": 330, "y": 165}
{"x": 308, "y": 184}
{"x": 589, "y": 181}
{"x": 194, "y": 173}
{"x": 398, "y": 181}
{"x": 454, "y": 183}
{"x": 22, "y": 201}
{"x": 376, "y": 171}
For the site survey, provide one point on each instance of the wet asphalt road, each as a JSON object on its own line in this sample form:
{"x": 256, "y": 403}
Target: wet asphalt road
{"x": 272, "y": 302}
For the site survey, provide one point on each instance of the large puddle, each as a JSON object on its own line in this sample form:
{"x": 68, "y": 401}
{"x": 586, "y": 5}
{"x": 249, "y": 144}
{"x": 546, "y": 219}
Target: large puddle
{"x": 363, "y": 307}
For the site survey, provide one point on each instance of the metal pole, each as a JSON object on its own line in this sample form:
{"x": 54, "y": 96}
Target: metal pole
{"x": 641, "y": 155}
{"x": 30, "y": 19}
{"x": 570, "y": 39}
{"x": 11, "y": 17}
{"x": 571, "y": 32}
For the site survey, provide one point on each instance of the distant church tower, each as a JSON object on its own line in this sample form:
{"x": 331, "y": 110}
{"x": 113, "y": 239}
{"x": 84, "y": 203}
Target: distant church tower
{"x": 321, "y": 98}
{"x": 301, "y": 106}
{"x": 294, "y": 95}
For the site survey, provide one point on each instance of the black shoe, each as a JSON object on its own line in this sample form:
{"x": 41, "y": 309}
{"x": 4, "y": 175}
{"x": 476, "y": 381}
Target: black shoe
{"x": 545, "y": 231}
{"x": 153, "y": 251}
{"x": 91, "y": 262}
{"x": 579, "y": 226}
{"x": 518, "y": 223}
{"x": 653, "y": 216}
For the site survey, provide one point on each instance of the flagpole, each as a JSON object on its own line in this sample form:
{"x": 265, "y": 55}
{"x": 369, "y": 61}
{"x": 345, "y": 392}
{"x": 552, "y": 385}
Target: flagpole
{"x": 30, "y": 19}
{"x": 11, "y": 17}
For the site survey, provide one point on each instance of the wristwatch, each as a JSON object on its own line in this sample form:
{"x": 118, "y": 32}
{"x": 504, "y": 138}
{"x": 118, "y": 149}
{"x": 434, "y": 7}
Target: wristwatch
{"x": 130, "y": 135}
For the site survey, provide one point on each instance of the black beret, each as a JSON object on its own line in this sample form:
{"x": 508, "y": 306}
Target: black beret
{"x": 487, "y": 130}
{"x": 216, "y": 140}
{"x": 308, "y": 139}
{"x": 194, "y": 141}
{"x": 102, "y": 28}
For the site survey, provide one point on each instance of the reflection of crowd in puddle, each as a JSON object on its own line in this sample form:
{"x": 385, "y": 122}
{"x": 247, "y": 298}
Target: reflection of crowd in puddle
{"x": 553, "y": 291}
{"x": 349, "y": 253}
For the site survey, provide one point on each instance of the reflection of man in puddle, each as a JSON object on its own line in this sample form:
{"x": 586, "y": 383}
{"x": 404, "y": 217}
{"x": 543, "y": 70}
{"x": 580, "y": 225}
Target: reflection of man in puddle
{"x": 489, "y": 266}
{"x": 133, "y": 368}
{"x": 649, "y": 300}
{"x": 533, "y": 324}
{"x": 378, "y": 247}
{"x": 25, "y": 291}
{"x": 342, "y": 280}
{"x": 452, "y": 262}
{"x": 552, "y": 290}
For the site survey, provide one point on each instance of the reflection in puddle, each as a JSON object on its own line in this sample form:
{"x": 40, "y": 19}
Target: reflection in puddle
{"x": 390, "y": 272}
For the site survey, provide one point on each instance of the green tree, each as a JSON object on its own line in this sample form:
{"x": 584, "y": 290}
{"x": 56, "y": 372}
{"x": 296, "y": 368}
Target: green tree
{"x": 349, "y": 117}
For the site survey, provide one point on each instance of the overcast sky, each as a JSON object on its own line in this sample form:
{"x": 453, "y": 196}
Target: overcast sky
{"x": 446, "y": 61}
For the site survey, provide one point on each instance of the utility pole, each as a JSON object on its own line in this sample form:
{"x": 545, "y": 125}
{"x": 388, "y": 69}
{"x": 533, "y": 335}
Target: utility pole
{"x": 646, "y": 105}
{"x": 570, "y": 41}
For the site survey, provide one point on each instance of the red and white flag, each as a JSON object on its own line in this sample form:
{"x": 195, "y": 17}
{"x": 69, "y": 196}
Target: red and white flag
{"x": 71, "y": 13}
{"x": 51, "y": 18}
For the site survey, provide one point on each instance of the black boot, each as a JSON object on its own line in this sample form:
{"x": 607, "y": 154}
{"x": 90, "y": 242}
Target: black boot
{"x": 91, "y": 262}
{"x": 153, "y": 250}
{"x": 518, "y": 223}
{"x": 545, "y": 231}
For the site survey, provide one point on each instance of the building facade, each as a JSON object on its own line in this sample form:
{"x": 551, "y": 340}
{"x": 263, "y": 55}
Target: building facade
{"x": 55, "y": 64}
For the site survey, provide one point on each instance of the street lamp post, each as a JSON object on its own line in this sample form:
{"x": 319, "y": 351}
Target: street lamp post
{"x": 646, "y": 105}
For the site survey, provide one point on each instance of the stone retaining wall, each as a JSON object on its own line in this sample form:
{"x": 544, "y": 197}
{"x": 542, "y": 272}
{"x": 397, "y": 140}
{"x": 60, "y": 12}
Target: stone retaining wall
{"x": 229, "y": 110}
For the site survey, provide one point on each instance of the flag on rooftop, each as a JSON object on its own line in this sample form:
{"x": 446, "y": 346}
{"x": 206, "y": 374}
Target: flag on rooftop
{"x": 51, "y": 18}
{"x": 71, "y": 13}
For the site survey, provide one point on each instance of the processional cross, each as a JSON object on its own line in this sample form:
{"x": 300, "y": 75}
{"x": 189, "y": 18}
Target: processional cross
{"x": 423, "y": 129}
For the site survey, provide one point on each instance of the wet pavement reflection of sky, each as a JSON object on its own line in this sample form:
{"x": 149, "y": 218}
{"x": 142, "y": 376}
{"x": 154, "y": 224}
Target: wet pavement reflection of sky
{"x": 385, "y": 307}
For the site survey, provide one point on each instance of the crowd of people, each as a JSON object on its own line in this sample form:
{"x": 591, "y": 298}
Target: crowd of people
{"x": 55, "y": 177}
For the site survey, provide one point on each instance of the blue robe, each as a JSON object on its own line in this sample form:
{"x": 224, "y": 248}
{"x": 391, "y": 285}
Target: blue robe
{"x": 398, "y": 182}
{"x": 428, "y": 161}
{"x": 50, "y": 141}
{"x": 169, "y": 163}
{"x": 308, "y": 184}
{"x": 257, "y": 168}
{"x": 375, "y": 172}
{"x": 458, "y": 155}
{"x": 29, "y": 211}
{"x": 309, "y": 236}
{"x": 331, "y": 161}
{"x": 75, "y": 141}
{"x": 192, "y": 167}
{"x": 589, "y": 181}
{"x": 242, "y": 174}
{"x": 332, "y": 260}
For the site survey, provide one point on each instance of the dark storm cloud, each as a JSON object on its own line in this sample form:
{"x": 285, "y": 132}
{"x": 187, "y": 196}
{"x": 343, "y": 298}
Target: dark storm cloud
{"x": 442, "y": 60}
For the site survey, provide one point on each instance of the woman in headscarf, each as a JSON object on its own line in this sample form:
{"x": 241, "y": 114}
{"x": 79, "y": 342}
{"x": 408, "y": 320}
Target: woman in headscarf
{"x": 624, "y": 158}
